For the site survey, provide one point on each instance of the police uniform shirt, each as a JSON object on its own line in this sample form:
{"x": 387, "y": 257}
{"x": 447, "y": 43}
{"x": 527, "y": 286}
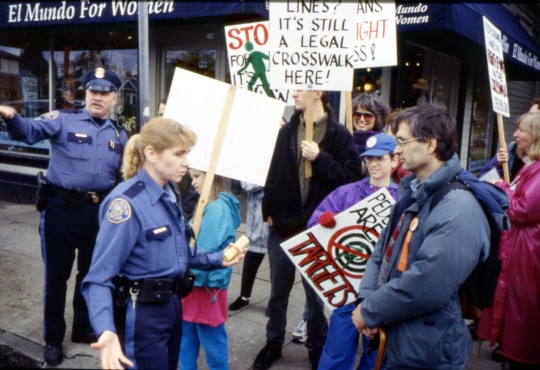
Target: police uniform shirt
{"x": 142, "y": 235}
{"x": 83, "y": 155}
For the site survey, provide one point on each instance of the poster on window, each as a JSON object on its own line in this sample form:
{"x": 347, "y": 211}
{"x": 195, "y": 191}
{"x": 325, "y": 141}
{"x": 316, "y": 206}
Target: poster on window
{"x": 249, "y": 59}
{"x": 312, "y": 45}
{"x": 334, "y": 260}
{"x": 375, "y": 34}
{"x": 497, "y": 74}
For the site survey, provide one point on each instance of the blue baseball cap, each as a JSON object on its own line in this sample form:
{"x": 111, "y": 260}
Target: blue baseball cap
{"x": 379, "y": 145}
{"x": 101, "y": 79}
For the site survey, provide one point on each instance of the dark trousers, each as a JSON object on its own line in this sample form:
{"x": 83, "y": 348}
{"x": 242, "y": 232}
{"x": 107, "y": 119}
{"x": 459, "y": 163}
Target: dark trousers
{"x": 252, "y": 262}
{"x": 153, "y": 334}
{"x": 282, "y": 274}
{"x": 63, "y": 229}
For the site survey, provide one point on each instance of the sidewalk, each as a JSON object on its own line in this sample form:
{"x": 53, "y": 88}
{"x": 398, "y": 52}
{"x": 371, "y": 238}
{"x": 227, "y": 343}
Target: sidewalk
{"x": 22, "y": 297}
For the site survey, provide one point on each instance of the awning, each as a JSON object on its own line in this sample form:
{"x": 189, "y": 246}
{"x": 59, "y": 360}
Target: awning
{"x": 466, "y": 20}
{"x": 14, "y": 14}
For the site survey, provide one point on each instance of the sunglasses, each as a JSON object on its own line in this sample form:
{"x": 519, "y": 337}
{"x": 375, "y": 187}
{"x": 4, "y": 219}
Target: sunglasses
{"x": 368, "y": 116}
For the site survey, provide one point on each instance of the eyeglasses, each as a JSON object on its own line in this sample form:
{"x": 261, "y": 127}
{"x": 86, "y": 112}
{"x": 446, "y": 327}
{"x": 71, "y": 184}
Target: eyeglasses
{"x": 377, "y": 160}
{"x": 368, "y": 116}
{"x": 402, "y": 142}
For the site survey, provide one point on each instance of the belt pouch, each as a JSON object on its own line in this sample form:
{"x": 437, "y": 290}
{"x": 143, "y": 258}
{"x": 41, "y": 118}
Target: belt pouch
{"x": 185, "y": 284}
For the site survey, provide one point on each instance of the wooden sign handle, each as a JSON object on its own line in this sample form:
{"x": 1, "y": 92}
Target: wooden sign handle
{"x": 382, "y": 349}
{"x": 209, "y": 179}
{"x": 502, "y": 144}
{"x": 348, "y": 111}
{"x": 308, "y": 117}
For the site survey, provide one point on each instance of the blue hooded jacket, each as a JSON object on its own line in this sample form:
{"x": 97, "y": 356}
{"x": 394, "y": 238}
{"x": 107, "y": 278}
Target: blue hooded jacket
{"x": 220, "y": 220}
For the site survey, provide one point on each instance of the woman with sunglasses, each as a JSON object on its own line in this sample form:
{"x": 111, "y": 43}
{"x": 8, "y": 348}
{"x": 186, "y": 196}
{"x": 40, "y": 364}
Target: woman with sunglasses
{"x": 369, "y": 118}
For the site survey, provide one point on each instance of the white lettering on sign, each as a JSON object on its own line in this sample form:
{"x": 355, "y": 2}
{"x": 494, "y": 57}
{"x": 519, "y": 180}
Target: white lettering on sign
{"x": 37, "y": 13}
{"x": 404, "y": 9}
{"x": 91, "y": 10}
{"x": 67, "y": 10}
{"x": 408, "y": 14}
{"x": 131, "y": 7}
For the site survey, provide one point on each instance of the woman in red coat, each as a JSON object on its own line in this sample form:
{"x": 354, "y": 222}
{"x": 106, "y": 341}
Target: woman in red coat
{"x": 514, "y": 319}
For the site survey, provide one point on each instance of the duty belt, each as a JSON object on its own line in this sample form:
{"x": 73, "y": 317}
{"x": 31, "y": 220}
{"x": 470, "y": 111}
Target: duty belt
{"x": 79, "y": 197}
{"x": 160, "y": 290}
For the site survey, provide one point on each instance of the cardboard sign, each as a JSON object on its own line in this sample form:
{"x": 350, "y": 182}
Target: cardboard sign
{"x": 333, "y": 261}
{"x": 198, "y": 102}
{"x": 312, "y": 45}
{"x": 249, "y": 53}
{"x": 375, "y": 34}
{"x": 497, "y": 75}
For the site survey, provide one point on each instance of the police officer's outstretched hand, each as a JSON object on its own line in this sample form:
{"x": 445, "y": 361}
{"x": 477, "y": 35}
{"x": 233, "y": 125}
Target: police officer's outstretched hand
{"x": 112, "y": 356}
{"x": 7, "y": 111}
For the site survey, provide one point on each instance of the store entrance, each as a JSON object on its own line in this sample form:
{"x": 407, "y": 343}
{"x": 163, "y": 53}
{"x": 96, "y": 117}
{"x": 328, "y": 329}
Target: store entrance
{"x": 427, "y": 76}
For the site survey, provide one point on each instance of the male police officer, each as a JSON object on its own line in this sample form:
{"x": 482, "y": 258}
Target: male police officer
{"x": 86, "y": 150}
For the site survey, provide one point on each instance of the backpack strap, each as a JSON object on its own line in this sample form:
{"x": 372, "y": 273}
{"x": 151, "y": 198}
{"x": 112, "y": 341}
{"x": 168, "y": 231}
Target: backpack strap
{"x": 441, "y": 193}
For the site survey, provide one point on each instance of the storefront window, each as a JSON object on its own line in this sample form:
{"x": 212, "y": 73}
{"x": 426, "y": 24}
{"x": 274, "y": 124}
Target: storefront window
{"x": 481, "y": 138}
{"x": 25, "y": 85}
{"x": 198, "y": 61}
{"x": 368, "y": 80}
{"x": 428, "y": 76}
{"x": 72, "y": 65}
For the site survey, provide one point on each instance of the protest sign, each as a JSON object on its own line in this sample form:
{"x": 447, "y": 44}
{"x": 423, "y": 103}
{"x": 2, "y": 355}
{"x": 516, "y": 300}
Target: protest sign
{"x": 375, "y": 34}
{"x": 497, "y": 82}
{"x": 333, "y": 261}
{"x": 497, "y": 74}
{"x": 248, "y": 51}
{"x": 253, "y": 124}
{"x": 311, "y": 45}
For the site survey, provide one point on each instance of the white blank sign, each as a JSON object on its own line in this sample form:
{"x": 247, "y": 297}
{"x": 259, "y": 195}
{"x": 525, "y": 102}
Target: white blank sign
{"x": 198, "y": 102}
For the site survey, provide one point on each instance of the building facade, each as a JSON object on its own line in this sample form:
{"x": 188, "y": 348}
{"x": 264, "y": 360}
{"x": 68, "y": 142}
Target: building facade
{"x": 46, "y": 47}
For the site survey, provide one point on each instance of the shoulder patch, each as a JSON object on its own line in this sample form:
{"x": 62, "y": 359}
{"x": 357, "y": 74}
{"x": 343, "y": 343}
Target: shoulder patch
{"x": 134, "y": 189}
{"x": 51, "y": 115}
{"x": 119, "y": 211}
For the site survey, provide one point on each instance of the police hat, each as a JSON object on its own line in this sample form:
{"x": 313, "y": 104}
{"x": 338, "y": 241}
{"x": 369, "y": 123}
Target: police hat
{"x": 101, "y": 79}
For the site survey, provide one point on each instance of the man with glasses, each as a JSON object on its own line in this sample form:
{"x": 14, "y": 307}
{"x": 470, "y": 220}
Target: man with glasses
{"x": 411, "y": 283}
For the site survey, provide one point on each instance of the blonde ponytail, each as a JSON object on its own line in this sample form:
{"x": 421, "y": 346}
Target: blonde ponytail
{"x": 132, "y": 158}
{"x": 158, "y": 133}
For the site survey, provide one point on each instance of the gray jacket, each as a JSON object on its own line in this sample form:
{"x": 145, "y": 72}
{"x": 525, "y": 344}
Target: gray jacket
{"x": 256, "y": 228}
{"x": 419, "y": 308}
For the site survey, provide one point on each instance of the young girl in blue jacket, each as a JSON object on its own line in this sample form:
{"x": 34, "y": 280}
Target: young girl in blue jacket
{"x": 205, "y": 309}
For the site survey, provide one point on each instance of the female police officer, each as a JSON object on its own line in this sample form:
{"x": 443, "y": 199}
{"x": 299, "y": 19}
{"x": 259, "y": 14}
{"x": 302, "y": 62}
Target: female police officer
{"x": 143, "y": 237}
